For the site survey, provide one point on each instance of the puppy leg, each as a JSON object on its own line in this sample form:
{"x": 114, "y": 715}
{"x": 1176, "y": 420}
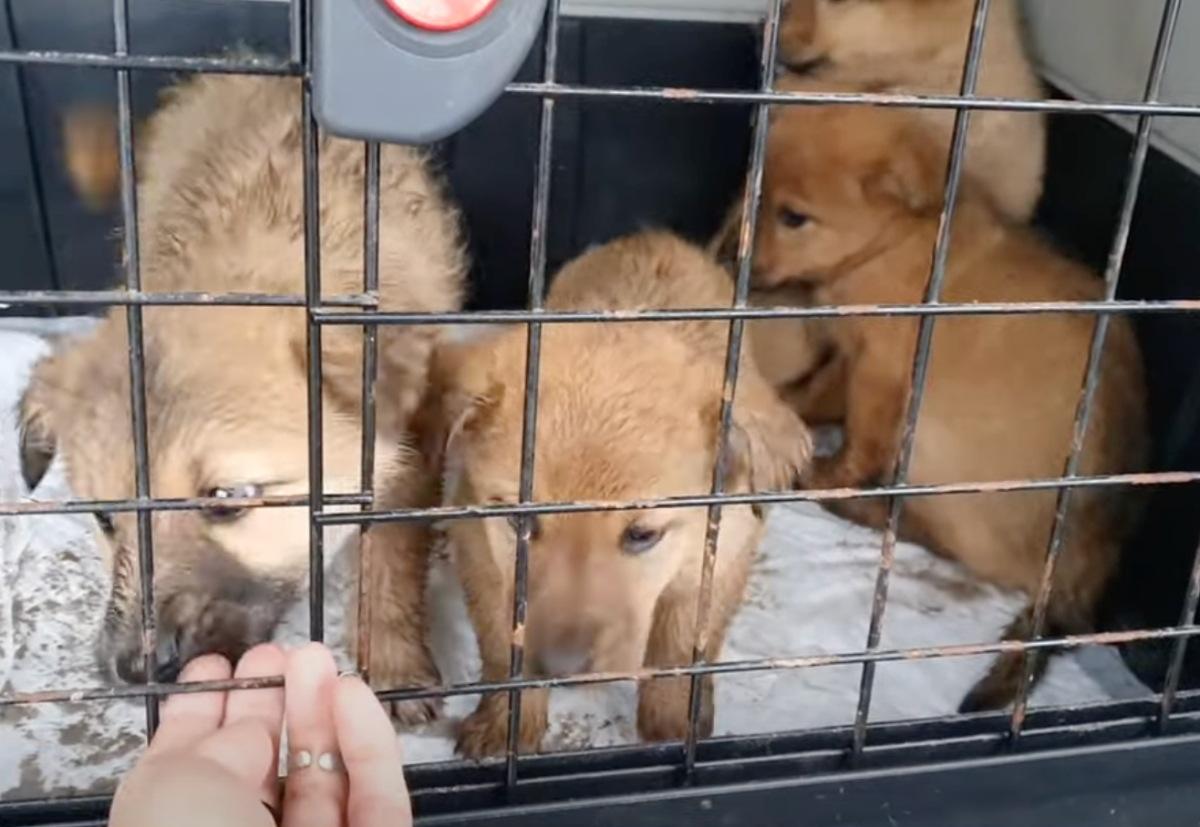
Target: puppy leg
{"x": 394, "y": 567}
{"x": 485, "y": 731}
{"x": 664, "y": 703}
{"x": 877, "y": 390}
{"x": 1084, "y": 567}
{"x": 395, "y": 564}
{"x": 998, "y": 688}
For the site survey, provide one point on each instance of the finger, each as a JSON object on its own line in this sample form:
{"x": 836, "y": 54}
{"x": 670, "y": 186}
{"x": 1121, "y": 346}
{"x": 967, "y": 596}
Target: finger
{"x": 313, "y": 797}
{"x": 244, "y": 749}
{"x": 262, "y": 706}
{"x": 188, "y": 718}
{"x": 371, "y": 752}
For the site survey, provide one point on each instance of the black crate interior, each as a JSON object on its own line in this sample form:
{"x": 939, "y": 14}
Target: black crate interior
{"x": 619, "y": 166}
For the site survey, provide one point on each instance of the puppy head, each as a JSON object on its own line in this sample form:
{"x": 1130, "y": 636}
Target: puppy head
{"x": 624, "y": 412}
{"x": 225, "y": 396}
{"x": 837, "y": 179}
{"x": 814, "y": 33}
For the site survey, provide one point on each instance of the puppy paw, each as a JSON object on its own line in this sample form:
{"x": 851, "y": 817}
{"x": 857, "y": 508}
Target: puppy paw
{"x": 410, "y": 714}
{"x": 417, "y": 670}
{"x": 664, "y": 706}
{"x": 830, "y": 472}
{"x": 484, "y": 733}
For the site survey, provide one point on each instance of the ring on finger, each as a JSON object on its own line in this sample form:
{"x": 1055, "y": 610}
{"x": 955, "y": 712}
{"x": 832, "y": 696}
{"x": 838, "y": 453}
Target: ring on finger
{"x": 303, "y": 759}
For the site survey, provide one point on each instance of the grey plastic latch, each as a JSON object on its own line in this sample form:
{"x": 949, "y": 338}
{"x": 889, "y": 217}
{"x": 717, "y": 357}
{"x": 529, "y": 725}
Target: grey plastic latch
{"x": 377, "y": 77}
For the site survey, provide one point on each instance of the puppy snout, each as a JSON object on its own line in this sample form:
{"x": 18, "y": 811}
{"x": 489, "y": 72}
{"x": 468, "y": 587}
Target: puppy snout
{"x": 560, "y": 662}
{"x": 190, "y": 626}
{"x": 563, "y": 652}
{"x": 129, "y": 665}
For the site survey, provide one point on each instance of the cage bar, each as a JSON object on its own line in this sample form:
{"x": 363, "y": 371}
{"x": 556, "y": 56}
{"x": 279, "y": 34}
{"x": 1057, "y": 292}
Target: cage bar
{"x": 370, "y": 365}
{"x": 96, "y": 298}
{"x": 920, "y": 370}
{"x": 312, "y": 296}
{"x": 492, "y": 317}
{"x": 27, "y": 508}
{"x": 533, "y": 357}
{"x": 137, "y": 362}
{"x": 148, "y": 63}
{"x": 751, "y": 204}
{"x": 687, "y": 95}
{"x": 1091, "y": 380}
{"x": 1179, "y": 648}
{"x": 772, "y": 664}
{"x": 766, "y": 498}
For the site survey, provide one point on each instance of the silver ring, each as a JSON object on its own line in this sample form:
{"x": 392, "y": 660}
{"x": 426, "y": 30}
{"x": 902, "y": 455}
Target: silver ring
{"x": 303, "y": 759}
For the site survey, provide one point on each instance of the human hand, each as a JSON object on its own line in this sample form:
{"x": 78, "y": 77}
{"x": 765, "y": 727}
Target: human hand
{"x": 214, "y": 759}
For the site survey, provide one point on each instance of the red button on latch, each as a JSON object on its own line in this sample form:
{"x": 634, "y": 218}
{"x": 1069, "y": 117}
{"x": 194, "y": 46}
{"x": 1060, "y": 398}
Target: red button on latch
{"x": 441, "y": 15}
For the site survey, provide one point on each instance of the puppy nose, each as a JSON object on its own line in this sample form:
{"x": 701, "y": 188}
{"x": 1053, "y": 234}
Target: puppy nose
{"x": 560, "y": 662}
{"x": 130, "y": 665}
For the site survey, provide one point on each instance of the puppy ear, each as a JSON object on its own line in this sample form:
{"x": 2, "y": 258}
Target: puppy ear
{"x": 770, "y": 447}
{"x": 37, "y": 441}
{"x": 461, "y": 396}
{"x": 723, "y": 246}
{"x": 912, "y": 172}
{"x": 796, "y": 30}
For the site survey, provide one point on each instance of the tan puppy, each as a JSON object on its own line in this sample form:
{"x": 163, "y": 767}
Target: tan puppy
{"x": 625, "y": 411}
{"x": 91, "y": 157}
{"x": 221, "y": 209}
{"x": 851, "y": 208}
{"x": 920, "y": 46}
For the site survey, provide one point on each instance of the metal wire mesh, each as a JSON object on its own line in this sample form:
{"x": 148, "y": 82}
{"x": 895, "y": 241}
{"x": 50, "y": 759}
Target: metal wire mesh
{"x": 362, "y": 310}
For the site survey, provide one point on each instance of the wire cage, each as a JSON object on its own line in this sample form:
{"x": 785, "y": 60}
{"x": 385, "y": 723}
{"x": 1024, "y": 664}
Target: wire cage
{"x": 935, "y": 771}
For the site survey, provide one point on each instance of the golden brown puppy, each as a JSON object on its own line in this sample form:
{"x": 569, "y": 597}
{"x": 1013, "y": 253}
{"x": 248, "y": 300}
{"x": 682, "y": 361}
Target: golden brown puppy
{"x": 90, "y": 154}
{"x": 221, "y": 210}
{"x": 625, "y": 411}
{"x": 851, "y": 209}
{"x": 920, "y": 46}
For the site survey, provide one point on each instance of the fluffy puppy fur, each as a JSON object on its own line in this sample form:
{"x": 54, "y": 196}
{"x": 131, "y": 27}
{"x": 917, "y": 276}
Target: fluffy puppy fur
{"x": 221, "y": 210}
{"x": 851, "y": 207}
{"x": 920, "y": 46}
{"x": 625, "y": 411}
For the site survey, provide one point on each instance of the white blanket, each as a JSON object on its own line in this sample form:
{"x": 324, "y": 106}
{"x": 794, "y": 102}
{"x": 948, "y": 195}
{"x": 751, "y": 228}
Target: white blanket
{"x": 810, "y": 594}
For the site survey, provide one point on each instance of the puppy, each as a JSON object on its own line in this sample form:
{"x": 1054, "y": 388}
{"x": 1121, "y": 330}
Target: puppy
{"x": 625, "y": 411}
{"x": 851, "y": 207}
{"x": 91, "y": 156}
{"x": 221, "y": 210}
{"x": 919, "y": 46}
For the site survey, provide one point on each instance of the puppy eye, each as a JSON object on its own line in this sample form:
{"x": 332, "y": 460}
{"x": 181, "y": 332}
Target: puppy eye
{"x": 535, "y": 525}
{"x": 792, "y": 219}
{"x": 105, "y": 521}
{"x": 237, "y": 492}
{"x": 638, "y": 539}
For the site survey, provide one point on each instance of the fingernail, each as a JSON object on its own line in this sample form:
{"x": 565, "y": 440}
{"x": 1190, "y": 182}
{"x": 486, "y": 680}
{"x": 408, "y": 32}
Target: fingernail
{"x": 349, "y": 673}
